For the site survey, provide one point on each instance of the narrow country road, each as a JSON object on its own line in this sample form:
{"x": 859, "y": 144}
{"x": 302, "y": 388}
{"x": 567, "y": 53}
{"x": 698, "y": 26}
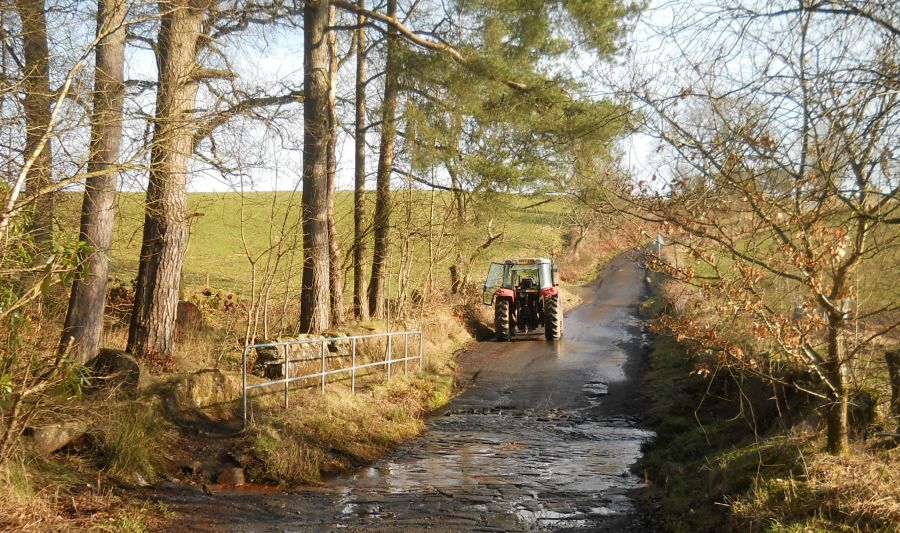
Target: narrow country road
{"x": 541, "y": 440}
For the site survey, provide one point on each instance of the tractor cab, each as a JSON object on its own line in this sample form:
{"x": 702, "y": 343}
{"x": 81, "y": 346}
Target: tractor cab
{"x": 530, "y": 274}
{"x": 525, "y": 296}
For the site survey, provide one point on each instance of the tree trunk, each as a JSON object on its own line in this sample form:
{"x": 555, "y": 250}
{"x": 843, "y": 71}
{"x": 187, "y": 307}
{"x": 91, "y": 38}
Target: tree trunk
{"x": 382, "y": 220}
{"x": 360, "y": 309}
{"x": 37, "y": 105}
{"x": 459, "y": 200}
{"x": 84, "y": 317}
{"x": 152, "y": 329}
{"x": 456, "y": 274}
{"x": 837, "y": 423}
{"x": 892, "y": 358}
{"x": 315, "y": 293}
{"x": 456, "y": 284}
{"x": 336, "y": 282}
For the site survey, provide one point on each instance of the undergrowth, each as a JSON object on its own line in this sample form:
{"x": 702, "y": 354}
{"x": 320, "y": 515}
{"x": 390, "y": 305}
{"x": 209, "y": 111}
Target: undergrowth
{"x": 132, "y": 442}
{"x": 724, "y": 460}
{"x": 331, "y": 433}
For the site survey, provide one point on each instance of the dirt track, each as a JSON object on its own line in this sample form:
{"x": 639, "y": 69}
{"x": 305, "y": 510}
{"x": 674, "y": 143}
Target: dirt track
{"x": 541, "y": 440}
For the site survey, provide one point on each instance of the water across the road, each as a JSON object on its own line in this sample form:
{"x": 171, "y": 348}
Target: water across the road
{"x": 542, "y": 440}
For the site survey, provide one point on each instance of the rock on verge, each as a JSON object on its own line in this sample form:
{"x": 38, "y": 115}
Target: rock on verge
{"x": 188, "y": 318}
{"x": 212, "y": 391}
{"x": 115, "y": 369}
{"x": 47, "y": 439}
{"x": 231, "y": 475}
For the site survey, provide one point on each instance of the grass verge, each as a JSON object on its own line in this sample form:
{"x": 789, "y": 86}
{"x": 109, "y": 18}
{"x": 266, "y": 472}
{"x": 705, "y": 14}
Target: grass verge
{"x": 337, "y": 431}
{"x": 724, "y": 460}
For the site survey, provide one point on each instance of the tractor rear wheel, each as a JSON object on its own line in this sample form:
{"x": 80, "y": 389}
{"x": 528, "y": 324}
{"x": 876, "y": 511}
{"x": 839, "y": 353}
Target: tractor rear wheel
{"x": 502, "y": 325}
{"x": 553, "y": 318}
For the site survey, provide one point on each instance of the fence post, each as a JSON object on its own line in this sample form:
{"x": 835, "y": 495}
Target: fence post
{"x": 287, "y": 373}
{"x": 390, "y": 348}
{"x": 421, "y": 349}
{"x": 406, "y": 353}
{"x": 323, "y": 365}
{"x": 244, "y": 380}
{"x": 353, "y": 366}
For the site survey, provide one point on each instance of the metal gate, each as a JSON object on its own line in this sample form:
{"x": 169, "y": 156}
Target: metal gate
{"x": 292, "y": 355}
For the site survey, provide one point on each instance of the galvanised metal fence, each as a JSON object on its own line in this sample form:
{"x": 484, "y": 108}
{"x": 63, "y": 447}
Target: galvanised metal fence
{"x": 296, "y": 353}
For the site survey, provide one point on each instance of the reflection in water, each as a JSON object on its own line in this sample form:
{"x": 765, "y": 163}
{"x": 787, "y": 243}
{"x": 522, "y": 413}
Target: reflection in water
{"x": 515, "y": 465}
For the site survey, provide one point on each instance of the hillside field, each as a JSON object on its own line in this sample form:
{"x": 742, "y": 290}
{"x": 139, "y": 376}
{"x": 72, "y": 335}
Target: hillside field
{"x": 231, "y": 234}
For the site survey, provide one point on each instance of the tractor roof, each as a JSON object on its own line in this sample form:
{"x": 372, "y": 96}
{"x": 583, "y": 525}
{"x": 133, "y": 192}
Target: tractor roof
{"x": 528, "y": 261}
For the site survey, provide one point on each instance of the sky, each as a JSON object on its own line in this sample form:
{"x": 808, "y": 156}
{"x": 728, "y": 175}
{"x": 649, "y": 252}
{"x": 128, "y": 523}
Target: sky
{"x": 280, "y": 58}
{"x": 272, "y": 60}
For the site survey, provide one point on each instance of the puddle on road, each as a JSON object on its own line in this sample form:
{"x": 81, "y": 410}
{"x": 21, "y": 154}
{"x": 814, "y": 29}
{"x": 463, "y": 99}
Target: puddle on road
{"x": 595, "y": 389}
{"x": 513, "y": 471}
{"x": 544, "y": 519}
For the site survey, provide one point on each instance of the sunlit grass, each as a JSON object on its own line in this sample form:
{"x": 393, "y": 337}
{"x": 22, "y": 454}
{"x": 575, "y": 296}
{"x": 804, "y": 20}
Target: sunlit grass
{"x": 226, "y": 227}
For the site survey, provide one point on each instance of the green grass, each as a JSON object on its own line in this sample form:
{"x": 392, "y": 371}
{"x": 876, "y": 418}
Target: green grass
{"x": 876, "y": 289}
{"x": 228, "y": 230}
{"x": 133, "y": 438}
{"x": 706, "y": 452}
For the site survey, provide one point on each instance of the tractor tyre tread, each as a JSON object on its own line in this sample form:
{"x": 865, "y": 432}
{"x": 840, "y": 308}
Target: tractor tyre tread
{"x": 502, "y": 326}
{"x": 553, "y": 318}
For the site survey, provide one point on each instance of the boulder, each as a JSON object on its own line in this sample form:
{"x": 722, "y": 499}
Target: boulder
{"x": 211, "y": 391}
{"x": 188, "y": 318}
{"x": 269, "y": 362}
{"x": 231, "y": 475}
{"x": 47, "y": 439}
{"x": 115, "y": 369}
{"x": 861, "y": 413}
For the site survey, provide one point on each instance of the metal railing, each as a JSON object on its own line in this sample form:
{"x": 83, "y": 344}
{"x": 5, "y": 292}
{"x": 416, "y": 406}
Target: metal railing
{"x": 286, "y": 360}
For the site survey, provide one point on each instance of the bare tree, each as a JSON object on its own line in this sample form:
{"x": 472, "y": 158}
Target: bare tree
{"x": 782, "y": 173}
{"x": 382, "y": 216}
{"x": 37, "y": 105}
{"x": 152, "y": 328}
{"x": 84, "y": 317}
{"x": 315, "y": 314}
{"x": 336, "y": 282}
{"x": 360, "y": 303}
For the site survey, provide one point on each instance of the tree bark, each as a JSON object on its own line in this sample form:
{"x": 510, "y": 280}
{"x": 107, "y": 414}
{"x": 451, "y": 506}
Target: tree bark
{"x": 837, "y": 423}
{"x": 84, "y": 316}
{"x": 37, "y": 105}
{"x": 456, "y": 284}
{"x": 382, "y": 219}
{"x": 892, "y": 358}
{"x": 336, "y": 282}
{"x": 360, "y": 308}
{"x": 314, "y": 296}
{"x": 152, "y": 329}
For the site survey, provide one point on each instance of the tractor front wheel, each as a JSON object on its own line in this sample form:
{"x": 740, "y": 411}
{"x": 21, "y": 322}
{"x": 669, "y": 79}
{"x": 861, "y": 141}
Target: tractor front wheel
{"x": 553, "y": 318}
{"x": 502, "y": 326}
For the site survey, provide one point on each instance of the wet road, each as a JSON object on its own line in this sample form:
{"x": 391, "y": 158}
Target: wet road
{"x": 542, "y": 440}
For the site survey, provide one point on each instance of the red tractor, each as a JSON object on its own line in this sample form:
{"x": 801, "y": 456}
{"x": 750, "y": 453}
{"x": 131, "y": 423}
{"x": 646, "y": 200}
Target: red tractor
{"x": 525, "y": 296}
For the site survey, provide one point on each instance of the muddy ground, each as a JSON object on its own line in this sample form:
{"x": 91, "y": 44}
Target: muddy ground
{"x": 542, "y": 438}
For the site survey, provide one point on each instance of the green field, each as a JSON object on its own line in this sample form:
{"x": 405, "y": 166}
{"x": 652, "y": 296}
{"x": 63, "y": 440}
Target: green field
{"x": 233, "y": 234}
